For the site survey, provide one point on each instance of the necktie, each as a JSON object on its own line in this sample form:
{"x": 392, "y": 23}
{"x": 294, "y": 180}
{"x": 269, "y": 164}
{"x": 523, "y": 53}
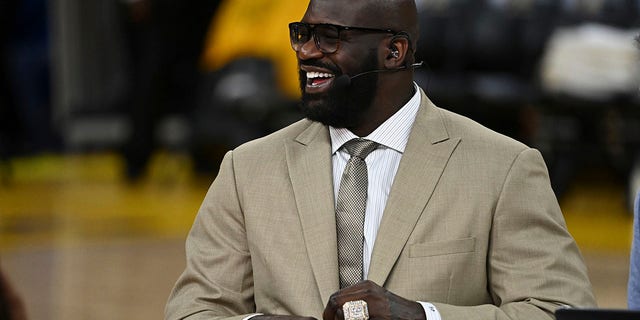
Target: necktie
{"x": 350, "y": 210}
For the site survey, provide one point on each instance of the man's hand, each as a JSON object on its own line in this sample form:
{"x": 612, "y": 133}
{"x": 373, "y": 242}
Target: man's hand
{"x": 382, "y": 304}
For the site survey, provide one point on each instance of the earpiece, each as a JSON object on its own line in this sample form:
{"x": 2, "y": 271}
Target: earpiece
{"x": 394, "y": 52}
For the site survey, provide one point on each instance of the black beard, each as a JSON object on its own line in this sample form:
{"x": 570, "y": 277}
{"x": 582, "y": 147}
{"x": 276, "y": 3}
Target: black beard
{"x": 342, "y": 106}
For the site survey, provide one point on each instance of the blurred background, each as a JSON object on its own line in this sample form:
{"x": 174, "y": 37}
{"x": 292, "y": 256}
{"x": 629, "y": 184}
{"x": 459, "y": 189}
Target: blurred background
{"x": 114, "y": 115}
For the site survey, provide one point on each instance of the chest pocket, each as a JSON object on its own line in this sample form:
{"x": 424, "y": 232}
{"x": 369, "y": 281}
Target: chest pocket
{"x": 435, "y": 267}
{"x": 440, "y": 248}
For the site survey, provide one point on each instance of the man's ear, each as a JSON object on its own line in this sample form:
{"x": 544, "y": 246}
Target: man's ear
{"x": 397, "y": 52}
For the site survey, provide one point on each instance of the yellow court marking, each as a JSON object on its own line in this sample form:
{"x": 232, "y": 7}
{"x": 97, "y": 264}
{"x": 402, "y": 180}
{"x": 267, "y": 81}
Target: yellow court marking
{"x": 598, "y": 216}
{"x": 80, "y": 197}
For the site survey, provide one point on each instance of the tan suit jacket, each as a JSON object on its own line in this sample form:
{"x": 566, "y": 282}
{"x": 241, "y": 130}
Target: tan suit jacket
{"x": 471, "y": 225}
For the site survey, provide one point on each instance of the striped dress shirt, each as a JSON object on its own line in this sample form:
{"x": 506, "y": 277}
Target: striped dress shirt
{"x": 382, "y": 165}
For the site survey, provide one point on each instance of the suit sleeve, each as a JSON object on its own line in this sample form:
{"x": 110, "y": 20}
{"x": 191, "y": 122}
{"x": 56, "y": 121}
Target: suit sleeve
{"x": 217, "y": 282}
{"x": 533, "y": 264}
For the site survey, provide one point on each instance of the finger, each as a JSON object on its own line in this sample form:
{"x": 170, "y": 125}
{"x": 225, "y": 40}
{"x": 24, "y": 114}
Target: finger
{"x": 339, "y": 314}
{"x": 330, "y": 310}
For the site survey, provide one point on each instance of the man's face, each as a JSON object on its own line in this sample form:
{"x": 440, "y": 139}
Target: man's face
{"x": 340, "y": 104}
{"x": 325, "y": 97}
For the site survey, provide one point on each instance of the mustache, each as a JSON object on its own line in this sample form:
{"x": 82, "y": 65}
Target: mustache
{"x": 320, "y": 64}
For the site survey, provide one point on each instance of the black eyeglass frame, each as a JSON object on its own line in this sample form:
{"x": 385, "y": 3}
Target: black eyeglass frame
{"x": 312, "y": 26}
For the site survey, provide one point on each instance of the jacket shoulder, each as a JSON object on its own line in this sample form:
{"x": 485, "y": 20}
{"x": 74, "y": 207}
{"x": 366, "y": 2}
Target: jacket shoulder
{"x": 276, "y": 139}
{"x": 473, "y": 133}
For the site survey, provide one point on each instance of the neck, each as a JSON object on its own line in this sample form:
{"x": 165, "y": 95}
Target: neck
{"x": 388, "y": 101}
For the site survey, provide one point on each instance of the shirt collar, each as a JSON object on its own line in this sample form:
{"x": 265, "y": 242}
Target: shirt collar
{"x": 393, "y": 133}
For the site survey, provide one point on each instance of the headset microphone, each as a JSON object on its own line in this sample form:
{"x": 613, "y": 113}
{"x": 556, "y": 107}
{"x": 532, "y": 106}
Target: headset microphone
{"x": 344, "y": 80}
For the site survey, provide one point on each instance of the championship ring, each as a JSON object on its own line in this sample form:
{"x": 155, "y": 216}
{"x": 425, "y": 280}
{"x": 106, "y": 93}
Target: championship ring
{"x": 355, "y": 310}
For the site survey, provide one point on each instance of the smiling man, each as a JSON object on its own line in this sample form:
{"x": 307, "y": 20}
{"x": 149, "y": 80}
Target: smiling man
{"x": 378, "y": 205}
{"x": 378, "y": 59}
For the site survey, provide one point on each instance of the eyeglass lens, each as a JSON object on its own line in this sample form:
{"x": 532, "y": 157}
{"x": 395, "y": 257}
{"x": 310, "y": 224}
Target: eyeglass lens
{"x": 326, "y": 37}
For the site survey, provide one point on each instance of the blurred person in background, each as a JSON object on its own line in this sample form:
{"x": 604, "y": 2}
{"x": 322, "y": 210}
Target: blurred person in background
{"x": 253, "y": 28}
{"x": 633, "y": 286}
{"x": 250, "y": 88}
{"x": 11, "y": 305}
{"x": 454, "y": 220}
{"x": 167, "y": 39}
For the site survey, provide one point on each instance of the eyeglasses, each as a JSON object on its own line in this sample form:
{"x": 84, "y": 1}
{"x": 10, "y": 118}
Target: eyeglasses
{"x": 326, "y": 36}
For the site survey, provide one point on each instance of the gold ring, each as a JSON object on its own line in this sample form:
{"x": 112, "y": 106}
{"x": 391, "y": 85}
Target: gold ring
{"x": 355, "y": 310}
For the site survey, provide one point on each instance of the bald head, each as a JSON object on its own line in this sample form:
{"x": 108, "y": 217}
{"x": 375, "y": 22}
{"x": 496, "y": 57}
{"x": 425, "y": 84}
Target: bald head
{"x": 398, "y": 15}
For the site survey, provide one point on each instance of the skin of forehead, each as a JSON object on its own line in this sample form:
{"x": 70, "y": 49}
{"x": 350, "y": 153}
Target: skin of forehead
{"x": 399, "y": 15}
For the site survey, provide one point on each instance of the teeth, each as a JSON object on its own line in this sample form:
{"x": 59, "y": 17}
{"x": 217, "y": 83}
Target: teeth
{"x": 313, "y": 75}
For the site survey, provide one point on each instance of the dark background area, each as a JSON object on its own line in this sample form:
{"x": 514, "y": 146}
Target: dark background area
{"x": 84, "y": 76}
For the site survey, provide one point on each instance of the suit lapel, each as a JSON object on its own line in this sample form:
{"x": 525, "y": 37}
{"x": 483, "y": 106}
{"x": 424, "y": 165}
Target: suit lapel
{"x": 310, "y": 168}
{"x": 425, "y": 157}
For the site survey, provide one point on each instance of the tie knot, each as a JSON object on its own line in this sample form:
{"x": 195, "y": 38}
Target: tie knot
{"x": 360, "y": 147}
